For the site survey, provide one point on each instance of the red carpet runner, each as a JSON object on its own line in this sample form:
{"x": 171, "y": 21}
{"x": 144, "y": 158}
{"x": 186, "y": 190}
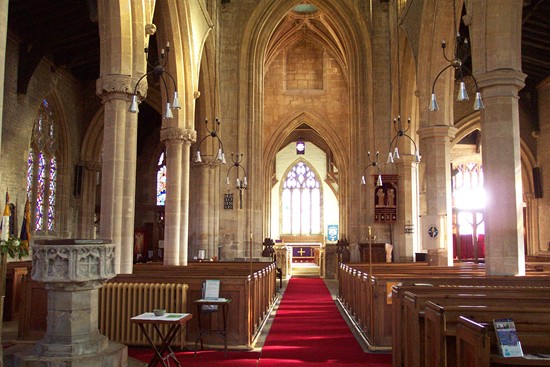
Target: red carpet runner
{"x": 308, "y": 330}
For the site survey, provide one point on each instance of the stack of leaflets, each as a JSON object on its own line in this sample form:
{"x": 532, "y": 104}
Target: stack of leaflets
{"x": 211, "y": 291}
{"x": 508, "y": 341}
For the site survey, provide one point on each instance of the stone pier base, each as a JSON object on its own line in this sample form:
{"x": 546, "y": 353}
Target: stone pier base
{"x": 114, "y": 354}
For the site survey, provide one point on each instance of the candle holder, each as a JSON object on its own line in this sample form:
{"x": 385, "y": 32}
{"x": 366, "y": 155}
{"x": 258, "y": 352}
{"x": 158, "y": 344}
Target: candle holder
{"x": 241, "y": 182}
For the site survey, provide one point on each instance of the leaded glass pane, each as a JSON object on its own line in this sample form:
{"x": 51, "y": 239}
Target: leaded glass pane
{"x": 286, "y": 213}
{"x": 316, "y": 210}
{"x": 30, "y": 172}
{"x": 296, "y": 211}
{"x": 51, "y": 193}
{"x": 161, "y": 185}
{"x": 306, "y": 212}
{"x": 301, "y": 201}
{"x": 40, "y": 191}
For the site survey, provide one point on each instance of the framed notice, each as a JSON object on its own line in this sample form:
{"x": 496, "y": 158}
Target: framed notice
{"x": 332, "y": 232}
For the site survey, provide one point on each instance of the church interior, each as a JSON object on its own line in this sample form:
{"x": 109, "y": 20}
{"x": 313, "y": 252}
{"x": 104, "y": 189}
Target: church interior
{"x": 374, "y": 144}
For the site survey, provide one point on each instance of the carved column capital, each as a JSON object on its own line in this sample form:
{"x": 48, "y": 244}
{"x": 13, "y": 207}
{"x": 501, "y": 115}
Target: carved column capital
{"x": 188, "y": 136}
{"x": 120, "y": 84}
{"x": 92, "y": 165}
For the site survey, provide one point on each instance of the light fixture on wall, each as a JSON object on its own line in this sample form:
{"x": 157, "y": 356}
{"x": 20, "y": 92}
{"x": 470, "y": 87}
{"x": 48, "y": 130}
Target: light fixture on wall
{"x": 214, "y": 133}
{"x": 461, "y": 43}
{"x": 393, "y": 155}
{"x": 372, "y": 163}
{"x": 241, "y": 182}
{"x": 158, "y": 72}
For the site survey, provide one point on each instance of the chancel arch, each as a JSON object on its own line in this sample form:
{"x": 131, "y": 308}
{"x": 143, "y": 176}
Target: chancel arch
{"x": 268, "y": 36}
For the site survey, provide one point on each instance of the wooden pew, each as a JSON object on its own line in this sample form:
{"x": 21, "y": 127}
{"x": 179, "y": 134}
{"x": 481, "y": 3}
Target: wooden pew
{"x": 532, "y": 321}
{"x": 364, "y": 295}
{"x": 414, "y": 320}
{"x": 15, "y": 272}
{"x": 251, "y": 286}
{"x": 476, "y": 345}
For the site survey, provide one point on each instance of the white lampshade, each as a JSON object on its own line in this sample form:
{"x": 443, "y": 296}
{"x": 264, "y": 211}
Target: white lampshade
{"x": 462, "y": 93}
{"x": 134, "y": 105}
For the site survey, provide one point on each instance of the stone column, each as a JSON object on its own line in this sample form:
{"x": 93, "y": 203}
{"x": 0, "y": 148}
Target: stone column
{"x": 191, "y": 137}
{"x": 73, "y": 271}
{"x": 543, "y": 159}
{"x": 436, "y": 158}
{"x": 88, "y": 196}
{"x": 205, "y": 207}
{"x": 407, "y": 211}
{"x": 177, "y": 143}
{"x": 282, "y": 256}
{"x": 118, "y": 169}
{"x": 502, "y": 172}
{"x": 496, "y": 63}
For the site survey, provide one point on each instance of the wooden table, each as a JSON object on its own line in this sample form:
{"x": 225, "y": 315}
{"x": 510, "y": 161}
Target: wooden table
{"x": 163, "y": 352}
{"x": 201, "y": 310}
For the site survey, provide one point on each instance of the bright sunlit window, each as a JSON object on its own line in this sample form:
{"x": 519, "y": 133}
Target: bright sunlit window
{"x": 469, "y": 197}
{"x": 301, "y": 201}
{"x": 468, "y": 190}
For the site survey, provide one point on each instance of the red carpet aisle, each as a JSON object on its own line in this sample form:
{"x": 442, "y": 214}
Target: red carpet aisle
{"x": 308, "y": 330}
{"x": 204, "y": 358}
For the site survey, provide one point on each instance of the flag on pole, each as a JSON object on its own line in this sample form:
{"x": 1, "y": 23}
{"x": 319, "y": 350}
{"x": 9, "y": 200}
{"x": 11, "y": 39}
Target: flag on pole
{"x": 5, "y": 224}
{"x": 25, "y": 235}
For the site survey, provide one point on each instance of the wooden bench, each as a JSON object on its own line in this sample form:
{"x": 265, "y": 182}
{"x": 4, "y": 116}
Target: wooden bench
{"x": 15, "y": 272}
{"x": 409, "y": 343}
{"x": 476, "y": 345}
{"x": 441, "y": 324}
{"x": 367, "y": 298}
{"x": 251, "y": 286}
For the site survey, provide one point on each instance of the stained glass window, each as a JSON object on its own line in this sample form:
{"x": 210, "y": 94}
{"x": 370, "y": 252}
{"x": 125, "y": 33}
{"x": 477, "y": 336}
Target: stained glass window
{"x": 301, "y": 201}
{"x": 42, "y": 169}
{"x": 161, "y": 180}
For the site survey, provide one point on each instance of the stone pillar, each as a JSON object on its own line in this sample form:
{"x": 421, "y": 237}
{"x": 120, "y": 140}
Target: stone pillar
{"x": 502, "y": 172}
{"x": 205, "y": 210}
{"x": 119, "y": 168}
{"x": 86, "y": 220}
{"x": 543, "y": 159}
{"x": 496, "y": 63}
{"x": 405, "y": 243}
{"x": 282, "y": 256}
{"x": 436, "y": 158}
{"x": 191, "y": 137}
{"x": 176, "y": 225}
{"x": 73, "y": 271}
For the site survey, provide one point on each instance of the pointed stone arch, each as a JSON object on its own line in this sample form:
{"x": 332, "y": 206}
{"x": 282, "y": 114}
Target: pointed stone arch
{"x": 355, "y": 40}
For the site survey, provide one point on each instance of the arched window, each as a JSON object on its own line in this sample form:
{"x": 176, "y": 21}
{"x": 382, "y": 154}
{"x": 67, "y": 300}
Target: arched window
{"x": 301, "y": 201}
{"x": 161, "y": 179}
{"x": 42, "y": 169}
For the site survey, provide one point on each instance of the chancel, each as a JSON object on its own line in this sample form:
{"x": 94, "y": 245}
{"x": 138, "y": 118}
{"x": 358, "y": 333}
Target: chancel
{"x": 326, "y": 158}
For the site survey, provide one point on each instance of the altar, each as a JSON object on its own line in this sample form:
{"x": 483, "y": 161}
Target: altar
{"x": 305, "y": 252}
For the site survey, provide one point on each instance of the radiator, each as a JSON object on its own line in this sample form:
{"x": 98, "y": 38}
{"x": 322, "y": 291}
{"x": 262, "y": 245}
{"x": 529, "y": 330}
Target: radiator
{"x": 118, "y": 302}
